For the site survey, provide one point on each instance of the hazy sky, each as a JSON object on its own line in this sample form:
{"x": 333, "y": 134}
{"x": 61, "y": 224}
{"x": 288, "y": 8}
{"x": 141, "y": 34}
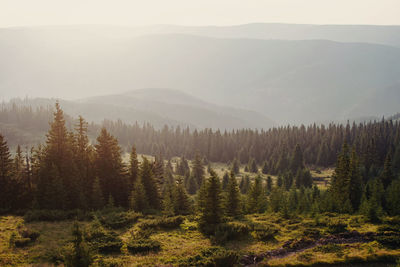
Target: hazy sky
{"x": 199, "y": 12}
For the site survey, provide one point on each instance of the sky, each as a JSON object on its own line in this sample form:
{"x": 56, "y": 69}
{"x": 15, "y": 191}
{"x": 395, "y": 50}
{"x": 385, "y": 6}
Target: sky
{"x": 197, "y": 12}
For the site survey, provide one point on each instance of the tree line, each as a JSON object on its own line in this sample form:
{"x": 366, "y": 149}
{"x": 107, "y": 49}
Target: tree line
{"x": 68, "y": 172}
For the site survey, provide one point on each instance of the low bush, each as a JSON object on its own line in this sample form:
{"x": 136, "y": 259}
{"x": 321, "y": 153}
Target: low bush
{"x": 103, "y": 240}
{"x": 22, "y": 242}
{"x": 335, "y": 226}
{"x": 116, "y": 219}
{"x": 264, "y": 233}
{"x": 311, "y": 233}
{"x": 161, "y": 223}
{"x": 55, "y": 215}
{"x": 143, "y": 246}
{"x": 29, "y": 233}
{"x": 231, "y": 231}
{"x": 330, "y": 248}
{"x": 214, "y": 256}
{"x": 391, "y": 241}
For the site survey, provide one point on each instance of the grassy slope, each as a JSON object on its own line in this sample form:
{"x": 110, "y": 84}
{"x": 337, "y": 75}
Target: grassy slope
{"x": 187, "y": 241}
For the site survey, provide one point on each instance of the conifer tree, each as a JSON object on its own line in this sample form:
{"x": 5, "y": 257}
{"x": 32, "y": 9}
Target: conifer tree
{"x": 235, "y": 166}
{"x": 225, "y": 180}
{"x": 110, "y": 168}
{"x": 297, "y": 159}
{"x": 252, "y": 166}
{"x": 192, "y": 185}
{"x": 232, "y": 202}
{"x": 150, "y": 185}
{"x": 387, "y": 175}
{"x": 81, "y": 255}
{"x": 198, "y": 169}
{"x": 265, "y": 168}
{"x": 269, "y": 184}
{"x": 168, "y": 208}
{"x": 5, "y": 175}
{"x": 393, "y": 198}
{"x": 97, "y": 200}
{"x": 255, "y": 197}
{"x": 138, "y": 198}
{"x": 182, "y": 205}
{"x": 355, "y": 187}
{"x": 210, "y": 204}
{"x": 133, "y": 167}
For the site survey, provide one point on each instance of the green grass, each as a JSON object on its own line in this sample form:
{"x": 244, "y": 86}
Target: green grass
{"x": 186, "y": 241}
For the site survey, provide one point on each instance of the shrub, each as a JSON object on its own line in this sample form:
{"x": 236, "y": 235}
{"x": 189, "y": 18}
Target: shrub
{"x": 335, "y": 226}
{"x": 214, "y": 256}
{"x": 390, "y": 240}
{"x": 116, "y": 219}
{"x": 28, "y": 233}
{"x": 54, "y": 215}
{"x": 162, "y": 223}
{"x": 264, "y": 232}
{"x": 231, "y": 231}
{"x": 143, "y": 245}
{"x": 312, "y": 233}
{"x": 22, "y": 242}
{"x": 330, "y": 248}
{"x": 101, "y": 239}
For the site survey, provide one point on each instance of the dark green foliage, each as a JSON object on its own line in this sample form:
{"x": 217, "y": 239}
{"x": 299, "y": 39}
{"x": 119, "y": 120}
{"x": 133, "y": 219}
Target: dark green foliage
{"x": 149, "y": 184}
{"x": 80, "y": 255}
{"x": 235, "y": 166}
{"x": 110, "y": 169}
{"x": 256, "y": 198}
{"x": 143, "y": 246}
{"x": 387, "y": 175}
{"x": 211, "y": 257}
{"x": 210, "y": 206}
{"x": 336, "y": 226}
{"x": 265, "y": 233}
{"x": 161, "y": 223}
{"x": 116, "y": 218}
{"x": 102, "y": 240}
{"x": 252, "y": 166}
{"x": 393, "y": 198}
{"x": 230, "y": 231}
{"x": 54, "y": 215}
{"x": 133, "y": 167}
{"x": 6, "y": 182}
{"x": 297, "y": 159}
{"x": 265, "y": 168}
{"x": 232, "y": 200}
{"x": 244, "y": 184}
{"x": 140, "y": 242}
{"x": 138, "y": 199}
{"x": 198, "y": 169}
{"x": 225, "y": 180}
{"x": 181, "y": 201}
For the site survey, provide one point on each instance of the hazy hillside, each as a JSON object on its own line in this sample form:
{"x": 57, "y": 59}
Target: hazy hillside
{"x": 158, "y": 107}
{"x": 289, "y": 81}
{"x": 388, "y": 35}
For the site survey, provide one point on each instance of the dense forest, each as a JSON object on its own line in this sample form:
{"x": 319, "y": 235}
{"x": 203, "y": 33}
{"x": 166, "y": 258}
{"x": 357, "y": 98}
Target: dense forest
{"x": 68, "y": 172}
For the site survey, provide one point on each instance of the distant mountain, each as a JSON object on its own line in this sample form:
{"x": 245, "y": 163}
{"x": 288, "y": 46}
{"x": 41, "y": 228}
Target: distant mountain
{"x": 289, "y": 81}
{"x": 387, "y": 35}
{"x": 158, "y": 107}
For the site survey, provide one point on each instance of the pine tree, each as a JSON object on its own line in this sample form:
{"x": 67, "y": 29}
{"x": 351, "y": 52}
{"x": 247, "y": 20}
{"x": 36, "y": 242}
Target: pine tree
{"x": 355, "y": 187}
{"x": 269, "y": 184}
{"x": 393, "y": 198}
{"x": 81, "y": 255}
{"x": 387, "y": 175}
{"x": 192, "y": 185}
{"x": 232, "y": 202}
{"x": 235, "y": 166}
{"x": 182, "y": 205}
{"x": 198, "y": 169}
{"x": 138, "y": 198}
{"x": 256, "y": 199}
{"x": 110, "y": 168}
{"x": 150, "y": 185}
{"x": 297, "y": 159}
{"x": 210, "y": 204}
{"x": 265, "y": 168}
{"x": 168, "y": 201}
{"x": 6, "y": 168}
{"x": 225, "y": 180}
{"x": 97, "y": 199}
{"x": 133, "y": 167}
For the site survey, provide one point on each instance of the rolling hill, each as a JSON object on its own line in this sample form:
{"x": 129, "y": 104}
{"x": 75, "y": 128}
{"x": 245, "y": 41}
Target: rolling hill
{"x": 289, "y": 81}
